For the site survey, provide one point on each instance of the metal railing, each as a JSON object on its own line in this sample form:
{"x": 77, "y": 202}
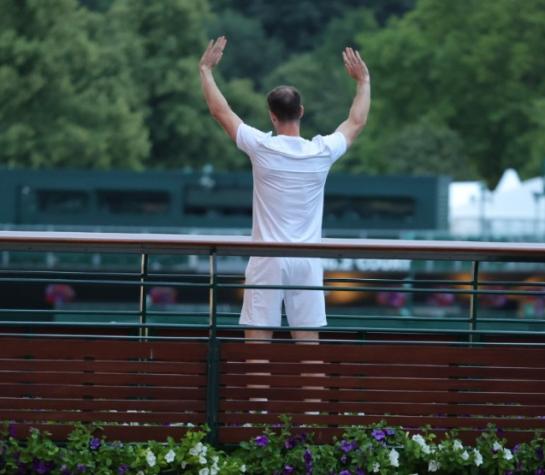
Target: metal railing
{"x": 472, "y": 285}
{"x": 214, "y": 325}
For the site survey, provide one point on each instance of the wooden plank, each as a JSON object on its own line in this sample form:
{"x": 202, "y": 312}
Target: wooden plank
{"x": 415, "y": 409}
{"x": 413, "y": 384}
{"x": 378, "y": 370}
{"x": 58, "y": 365}
{"x": 496, "y": 357}
{"x": 103, "y": 405}
{"x": 101, "y": 349}
{"x": 112, "y": 379}
{"x": 104, "y": 392}
{"x": 291, "y": 394}
{"x": 409, "y": 421}
{"x": 122, "y": 417}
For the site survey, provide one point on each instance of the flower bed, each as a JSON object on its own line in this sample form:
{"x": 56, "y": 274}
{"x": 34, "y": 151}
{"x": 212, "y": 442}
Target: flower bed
{"x": 378, "y": 449}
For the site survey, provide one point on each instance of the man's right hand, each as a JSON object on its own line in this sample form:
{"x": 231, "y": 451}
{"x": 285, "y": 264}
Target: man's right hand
{"x": 355, "y": 67}
{"x": 212, "y": 56}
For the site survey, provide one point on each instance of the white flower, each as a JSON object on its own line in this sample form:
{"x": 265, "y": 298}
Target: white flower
{"x": 202, "y": 459}
{"x": 394, "y": 458}
{"x": 243, "y": 469}
{"x": 375, "y": 468}
{"x": 426, "y": 449}
{"x": 150, "y": 458}
{"x": 204, "y": 471}
{"x": 465, "y": 455}
{"x": 478, "y": 457}
{"x": 170, "y": 456}
{"x": 433, "y": 466}
{"x": 196, "y": 451}
{"x": 507, "y": 454}
{"x": 419, "y": 440}
{"x": 140, "y": 472}
{"x": 497, "y": 446}
{"x": 184, "y": 464}
{"x": 457, "y": 445}
{"x": 189, "y": 424}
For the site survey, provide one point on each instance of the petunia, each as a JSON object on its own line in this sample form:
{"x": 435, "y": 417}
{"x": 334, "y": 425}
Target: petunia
{"x": 170, "y": 456}
{"x": 394, "y": 458}
{"x": 433, "y": 466}
{"x": 94, "y": 443}
{"x": 478, "y": 457}
{"x": 150, "y": 458}
{"x": 507, "y": 454}
{"x": 378, "y": 434}
{"x": 261, "y": 440}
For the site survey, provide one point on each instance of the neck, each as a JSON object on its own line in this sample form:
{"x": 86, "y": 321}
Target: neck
{"x": 288, "y": 128}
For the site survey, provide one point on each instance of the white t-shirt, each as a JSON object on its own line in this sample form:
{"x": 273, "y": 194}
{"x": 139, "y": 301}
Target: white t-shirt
{"x": 289, "y": 177}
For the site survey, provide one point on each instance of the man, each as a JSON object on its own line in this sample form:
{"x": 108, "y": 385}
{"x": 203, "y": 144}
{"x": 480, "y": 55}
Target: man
{"x": 289, "y": 175}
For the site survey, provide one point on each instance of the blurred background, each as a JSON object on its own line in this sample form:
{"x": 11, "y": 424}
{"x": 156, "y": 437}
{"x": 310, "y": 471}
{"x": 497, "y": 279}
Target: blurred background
{"x": 103, "y": 126}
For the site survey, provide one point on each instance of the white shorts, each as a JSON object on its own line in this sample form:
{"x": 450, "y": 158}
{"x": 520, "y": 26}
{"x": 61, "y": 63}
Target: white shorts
{"x": 263, "y": 307}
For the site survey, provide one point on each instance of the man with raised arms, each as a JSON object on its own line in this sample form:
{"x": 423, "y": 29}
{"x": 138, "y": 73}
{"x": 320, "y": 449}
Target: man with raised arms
{"x": 289, "y": 174}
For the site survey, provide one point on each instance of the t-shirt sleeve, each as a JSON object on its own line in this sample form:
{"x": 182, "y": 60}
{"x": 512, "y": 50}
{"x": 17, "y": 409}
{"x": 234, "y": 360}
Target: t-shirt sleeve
{"x": 336, "y": 144}
{"x": 248, "y": 138}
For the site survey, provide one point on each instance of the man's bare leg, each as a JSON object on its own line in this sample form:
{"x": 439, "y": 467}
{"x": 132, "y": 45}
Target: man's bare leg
{"x": 252, "y": 336}
{"x": 309, "y": 338}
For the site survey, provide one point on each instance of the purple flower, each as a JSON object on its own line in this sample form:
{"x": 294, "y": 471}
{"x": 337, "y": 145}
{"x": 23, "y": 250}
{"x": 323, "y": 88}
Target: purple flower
{"x": 81, "y": 468}
{"x": 123, "y": 469}
{"x": 360, "y": 471}
{"x": 41, "y": 467}
{"x": 11, "y": 430}
{"x": 288, "y": 469}
{"x": 539, "y": 453}
{"x": 500, "y": 432}
{"x": 290, "y": 443}
{"x": 389, "y": 431}
{"x": 345, "y": 472}
{"x": 65, "y": 470}
{"x": 348, "y": 446}
{"x": 344, "y": 458}
{"x": 516, "y": 448}
{"x": 509, "y": 472}
{"x": 94, "y": 443}
{"x": 540, "y": 471}
{"x": 261, "y": 440}
{"x": 378, "y": 434}
{"x": 307, "y": 457}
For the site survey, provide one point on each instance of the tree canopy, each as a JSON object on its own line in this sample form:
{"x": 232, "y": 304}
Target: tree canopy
{"x": 458, "y": 87}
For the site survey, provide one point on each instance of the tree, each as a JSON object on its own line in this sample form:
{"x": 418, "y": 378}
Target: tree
{"x": 251, "y": 53}
{"x": 172, "y": 37}
{"x": 473, "y": 66}
{"x": 62, "y": 103}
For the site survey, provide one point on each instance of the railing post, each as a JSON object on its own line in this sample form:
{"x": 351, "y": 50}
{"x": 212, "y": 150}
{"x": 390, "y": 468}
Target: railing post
{"x": 142, "y": 317}
{"x": 212, "y": 389}
{"x": 473, "y": 299}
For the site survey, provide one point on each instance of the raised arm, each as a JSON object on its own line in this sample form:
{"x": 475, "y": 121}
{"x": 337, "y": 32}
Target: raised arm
{"x": 359, "y": 110}
{"x": 217, "y": 104}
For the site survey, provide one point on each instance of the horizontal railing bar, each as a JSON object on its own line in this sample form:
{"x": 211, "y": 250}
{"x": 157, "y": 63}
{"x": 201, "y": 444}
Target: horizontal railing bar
{"x": 102, "y": 336}
{"x": 394, "y": 342}
{"x": 129, "y": 325}
{"x": 386, "y": 330}
{"x": 146, "y": 283}
{"x": 384, "y": 289}
{"x": 244, "y": 246}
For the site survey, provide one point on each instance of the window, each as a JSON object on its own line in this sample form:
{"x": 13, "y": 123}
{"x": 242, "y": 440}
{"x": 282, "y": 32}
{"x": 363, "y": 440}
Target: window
{"x": 133, "y": 202}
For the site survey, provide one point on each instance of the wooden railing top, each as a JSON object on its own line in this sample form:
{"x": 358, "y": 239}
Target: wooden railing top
{"x": 244, "y": 246}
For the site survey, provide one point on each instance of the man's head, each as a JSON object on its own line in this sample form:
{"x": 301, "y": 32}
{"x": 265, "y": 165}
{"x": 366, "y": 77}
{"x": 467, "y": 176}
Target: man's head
{"x": 285, "y": 104}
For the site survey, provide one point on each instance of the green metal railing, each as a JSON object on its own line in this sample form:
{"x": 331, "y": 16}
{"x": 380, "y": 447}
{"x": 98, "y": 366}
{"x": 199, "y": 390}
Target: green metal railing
{"x": 213, "y": 325}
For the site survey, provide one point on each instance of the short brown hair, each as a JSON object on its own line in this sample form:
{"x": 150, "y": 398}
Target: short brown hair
{"x": 285, "y": 103}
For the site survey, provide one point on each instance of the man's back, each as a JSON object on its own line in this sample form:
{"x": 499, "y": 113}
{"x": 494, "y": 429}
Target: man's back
{"x": 289, "y": 177}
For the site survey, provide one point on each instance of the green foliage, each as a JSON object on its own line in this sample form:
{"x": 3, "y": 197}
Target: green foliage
{"x": 62, "y": 102}
{"x": 472, "y": 66}
{"x": 379, "y": 449}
